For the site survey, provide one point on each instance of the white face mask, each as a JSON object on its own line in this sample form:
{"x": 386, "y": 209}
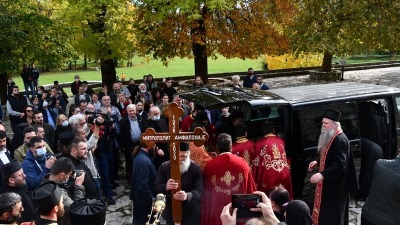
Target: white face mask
{"x": 156, "y": 118}
{"x": 41, "y": 152}
{"x": 65, "y": 123}
{"x": 45, "y": 104}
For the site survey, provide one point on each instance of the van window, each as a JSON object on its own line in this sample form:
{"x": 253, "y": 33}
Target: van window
{"x": 374, "y": 123}
{"x": 257, "y": 115}
{"x": 310, "y": 124}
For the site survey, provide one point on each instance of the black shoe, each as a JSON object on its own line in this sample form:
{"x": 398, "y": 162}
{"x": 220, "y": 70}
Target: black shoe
{"x": 113, "y": 193}
{"x": 111, "y": 201}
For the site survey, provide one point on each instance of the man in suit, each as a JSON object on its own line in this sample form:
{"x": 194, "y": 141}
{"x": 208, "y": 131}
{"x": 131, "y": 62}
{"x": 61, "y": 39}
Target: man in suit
{"x": 130, "y": 136}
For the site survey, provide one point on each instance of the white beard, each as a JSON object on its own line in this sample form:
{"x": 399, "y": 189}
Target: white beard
{"x": 324, "y": 139}
{"x": 184, "y": 165}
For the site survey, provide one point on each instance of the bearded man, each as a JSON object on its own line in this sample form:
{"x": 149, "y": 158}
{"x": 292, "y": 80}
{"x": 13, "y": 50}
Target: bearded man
{"x": 14, "y": 182}
{"x": 336, "y": 177}
{"x": 10, "y": 208}
{"x": 191, "y": 187}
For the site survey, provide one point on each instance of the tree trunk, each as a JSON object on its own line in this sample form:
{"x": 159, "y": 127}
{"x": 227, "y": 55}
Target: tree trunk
{"x": 200, "y": 62}
{"x": 327, "y": 62}
{"x": 85, "y": 62}
{"x": 3, "y": 90}
{"x": 108, "y": 73}
{"x": 199, "y": 49}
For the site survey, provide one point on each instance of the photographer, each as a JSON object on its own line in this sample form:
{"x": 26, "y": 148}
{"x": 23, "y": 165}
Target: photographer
{"x": 106, "y": 150}
{"x": 62, "y": 172}
{"x": 78, "y": 152}
{"x": 92, "y": 138}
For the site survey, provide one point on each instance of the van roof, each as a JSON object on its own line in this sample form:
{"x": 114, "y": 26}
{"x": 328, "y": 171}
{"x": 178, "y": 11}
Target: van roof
{"x": 334, "y": 91}
{"x": 295, "y": 96}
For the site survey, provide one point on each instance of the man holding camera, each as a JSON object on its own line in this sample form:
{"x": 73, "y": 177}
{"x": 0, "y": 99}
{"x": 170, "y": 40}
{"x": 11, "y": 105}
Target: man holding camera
{"x": 61, "y": 172}
{"x": 37, "y": 163}
{"x": 79, "y": 152}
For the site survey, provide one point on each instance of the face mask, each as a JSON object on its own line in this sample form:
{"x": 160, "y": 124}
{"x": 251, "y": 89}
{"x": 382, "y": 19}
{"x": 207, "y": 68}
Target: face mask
{"x": 77, "y": 80}
{"x": 156, "y": 118}
{"x": 45, "y": 104}
{"x": 143, "y": 91}
{"x": 39, "y": 92}
{"x": 65, "y": 123}
{"x": 41, "y": 153}
{"x": 9, "y": 81}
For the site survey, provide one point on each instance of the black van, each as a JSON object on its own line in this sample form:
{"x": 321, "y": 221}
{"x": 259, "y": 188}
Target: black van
{"x": 368, "y": 110}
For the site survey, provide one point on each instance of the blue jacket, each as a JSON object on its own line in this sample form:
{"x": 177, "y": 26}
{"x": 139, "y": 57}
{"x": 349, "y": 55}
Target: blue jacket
{"x": 34, "y": 174}
{"x": 264, "y": 87}
{"x": 144, "y": 175}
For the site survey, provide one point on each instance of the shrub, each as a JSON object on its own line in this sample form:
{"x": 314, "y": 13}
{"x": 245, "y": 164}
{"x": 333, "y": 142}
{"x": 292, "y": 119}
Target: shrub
{"x": 291, "y": 61}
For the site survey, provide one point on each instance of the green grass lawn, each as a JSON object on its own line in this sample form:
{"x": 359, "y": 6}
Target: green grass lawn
{"x": 177, "y": 67}
{"x": 141, "y": 66}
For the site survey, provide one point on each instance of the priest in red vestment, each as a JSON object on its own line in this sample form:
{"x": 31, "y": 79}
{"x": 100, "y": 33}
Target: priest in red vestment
{"x": 271, "y": 166}
{"x": 243, "y": 147}
{"x": 223, "y": 176}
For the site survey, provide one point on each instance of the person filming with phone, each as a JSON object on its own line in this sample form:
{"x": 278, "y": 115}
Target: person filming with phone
{"x": 297, "y": 212}
{"x": 70, "y": 183}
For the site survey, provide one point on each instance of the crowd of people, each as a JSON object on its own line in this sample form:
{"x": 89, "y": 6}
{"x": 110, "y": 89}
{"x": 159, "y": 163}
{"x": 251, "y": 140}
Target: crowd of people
{"x": 59, "y": 160}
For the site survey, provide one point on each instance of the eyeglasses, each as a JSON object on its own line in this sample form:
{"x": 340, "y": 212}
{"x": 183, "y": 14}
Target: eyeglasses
{"x": 29, "y": 110}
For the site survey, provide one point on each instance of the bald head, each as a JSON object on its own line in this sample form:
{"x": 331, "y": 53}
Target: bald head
{"x": 154, "y": 113}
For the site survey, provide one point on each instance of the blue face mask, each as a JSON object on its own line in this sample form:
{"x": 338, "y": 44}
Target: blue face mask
{"x": 41, "y": 153}
{"x": 65, "y": 123}
{"x": 156, "y": 118}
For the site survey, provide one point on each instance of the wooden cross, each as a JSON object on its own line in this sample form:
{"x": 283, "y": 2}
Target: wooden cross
{"x": 198, "y": 136}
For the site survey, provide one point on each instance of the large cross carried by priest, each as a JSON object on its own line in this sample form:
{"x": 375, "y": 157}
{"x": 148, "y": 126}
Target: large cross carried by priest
{"x": 198, "y": 136}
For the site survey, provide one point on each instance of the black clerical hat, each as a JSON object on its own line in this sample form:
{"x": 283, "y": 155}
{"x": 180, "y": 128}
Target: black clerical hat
{"x": 10, "y": 168}
{"x": 332, "y": 115}
{"x": 65, "y": 138}
{"x": 88, "y": 211}
{"x": 46, "y": 196}
{"x": 184, "y": 146}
